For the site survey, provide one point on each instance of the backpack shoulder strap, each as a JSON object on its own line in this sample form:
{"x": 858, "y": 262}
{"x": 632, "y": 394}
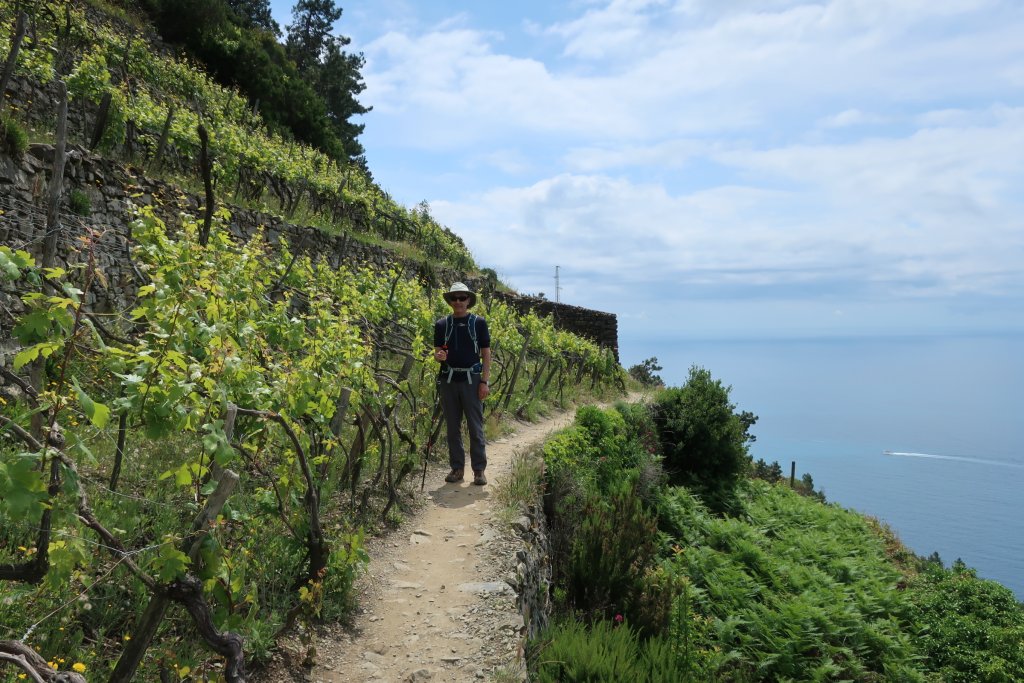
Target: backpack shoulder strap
{"x": 472, "y": 332}
{"x": 449, "y": 327}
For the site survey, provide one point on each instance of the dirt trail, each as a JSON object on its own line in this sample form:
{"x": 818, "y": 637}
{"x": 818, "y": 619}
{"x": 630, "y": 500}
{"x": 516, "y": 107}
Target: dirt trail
{"x": 436, "y": 604}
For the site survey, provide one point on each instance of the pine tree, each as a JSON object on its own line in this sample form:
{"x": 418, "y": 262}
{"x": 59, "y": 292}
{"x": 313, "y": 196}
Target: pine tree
{"x": 309, "y": 34}
{"x": 335, "y": 74}
{"x": 255, "y": 13}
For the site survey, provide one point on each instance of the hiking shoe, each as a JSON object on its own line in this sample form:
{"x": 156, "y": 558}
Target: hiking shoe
{"x": 478, "y": 478}
{"x": 454, "y": 476}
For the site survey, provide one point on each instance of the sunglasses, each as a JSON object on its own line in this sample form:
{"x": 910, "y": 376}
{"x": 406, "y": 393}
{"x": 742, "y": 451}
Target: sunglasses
{"x": 458, "y": 298}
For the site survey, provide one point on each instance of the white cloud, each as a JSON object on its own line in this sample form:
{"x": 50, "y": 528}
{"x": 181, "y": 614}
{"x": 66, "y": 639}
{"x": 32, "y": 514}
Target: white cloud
{"x": 510, "y": 161}
{"x": 637, "y": 70}
{"x": 672, "y": 153}
{"x": 618, "y": 27}
{"x": 850, "y": 117}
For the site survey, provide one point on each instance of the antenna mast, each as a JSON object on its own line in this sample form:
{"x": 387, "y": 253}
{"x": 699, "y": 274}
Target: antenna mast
{"x": 558, "y": 288}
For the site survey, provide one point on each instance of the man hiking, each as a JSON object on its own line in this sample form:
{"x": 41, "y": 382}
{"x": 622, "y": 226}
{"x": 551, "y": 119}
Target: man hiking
{"x": 462, "y": 344}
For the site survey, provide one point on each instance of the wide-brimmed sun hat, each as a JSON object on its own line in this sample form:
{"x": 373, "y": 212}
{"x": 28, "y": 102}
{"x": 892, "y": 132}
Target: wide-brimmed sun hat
{"x": 461, "y": 288}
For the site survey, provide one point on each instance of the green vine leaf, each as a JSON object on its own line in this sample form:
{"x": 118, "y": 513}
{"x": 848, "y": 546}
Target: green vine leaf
{"x": 33, "y": 327}
{"x": 22, "y": 486}
{"x": 13, "y": 262}
{"x": 26, "y": 356}
{"x": 215, "y": 442}
{"x": 170, "y": 563}
{"x": 98, "y": 413}
{"x": 65, "y": 556}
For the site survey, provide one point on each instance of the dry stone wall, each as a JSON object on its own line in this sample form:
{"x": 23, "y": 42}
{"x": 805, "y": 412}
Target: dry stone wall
{"x": 601, "y": 328}
{"x": 533, "y": 570}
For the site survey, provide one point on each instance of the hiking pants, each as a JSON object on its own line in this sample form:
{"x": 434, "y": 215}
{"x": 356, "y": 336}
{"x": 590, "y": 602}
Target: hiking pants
{"x": 458, "y": 399}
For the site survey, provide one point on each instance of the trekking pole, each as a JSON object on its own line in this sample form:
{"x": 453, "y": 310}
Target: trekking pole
{"x": 435, "y": 428}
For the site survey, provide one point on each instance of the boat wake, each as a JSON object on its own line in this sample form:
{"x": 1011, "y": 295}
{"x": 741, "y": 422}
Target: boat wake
{"x": 959, "y": 458}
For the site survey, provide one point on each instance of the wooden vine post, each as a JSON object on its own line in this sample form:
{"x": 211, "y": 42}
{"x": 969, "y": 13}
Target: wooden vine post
{"x": 103, "y": 114}
{"x": 56, "y": 187}
{"x": 101, "y": 121}
{"x": 515, "y": 371}
{"x": 520, "y": 411}
{"x": 119, "y": 449}
{"x": 205, "y": 168}
{"x": 37, "y": 370}
{"x": 161, "y": 145}
{"x": 327, "y": 471}
{"x": 12, "y": 56}
{"x": 129, "y": 139}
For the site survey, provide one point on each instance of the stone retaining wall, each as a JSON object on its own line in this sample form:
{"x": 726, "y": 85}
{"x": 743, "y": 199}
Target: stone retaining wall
{"x": 533, "y": 571}
{"x": 601, "y": 328}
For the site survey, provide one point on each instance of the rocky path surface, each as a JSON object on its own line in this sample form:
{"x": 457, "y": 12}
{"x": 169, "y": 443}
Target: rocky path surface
{"x": 436, "y": 603}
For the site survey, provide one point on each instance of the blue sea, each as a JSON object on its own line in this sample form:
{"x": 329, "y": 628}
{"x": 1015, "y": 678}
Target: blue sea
{"x": 924, "y": 433}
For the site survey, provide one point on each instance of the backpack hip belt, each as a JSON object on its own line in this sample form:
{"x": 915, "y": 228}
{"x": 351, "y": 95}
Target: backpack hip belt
{"x": 475, "y": 370}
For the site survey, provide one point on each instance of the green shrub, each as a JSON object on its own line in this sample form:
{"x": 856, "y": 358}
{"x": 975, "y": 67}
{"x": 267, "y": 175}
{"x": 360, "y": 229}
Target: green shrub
{"x": 565, "y": 488}
{"x": 606, "y": 428}
{"x": 762, "y": 470}
{"x": 15, "y": 138}
{"x": 348, "y": 558}
{"x": 639, "y": 425}
{"x": 602, "y": 448}
{"x": 571, "y": 651}
{"x": 641, "y": 450}
{"x": 968, "y": 629}
{"x": 568, "y": 451}
{"x": 610, "y": 454}
{"x": 79, "y": 203}
{"x": 614, "y": 551}
{"x": 598, "y": 474}
{"x": 703, "y": 440}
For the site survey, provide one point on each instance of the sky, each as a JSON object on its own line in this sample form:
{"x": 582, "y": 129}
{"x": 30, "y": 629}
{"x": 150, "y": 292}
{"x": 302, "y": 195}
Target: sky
{"x": 708, "y": 169}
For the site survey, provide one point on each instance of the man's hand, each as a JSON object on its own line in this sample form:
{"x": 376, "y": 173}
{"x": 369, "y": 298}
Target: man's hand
{"x": 483, "y": 390}
{"x": 440, "y": 354}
